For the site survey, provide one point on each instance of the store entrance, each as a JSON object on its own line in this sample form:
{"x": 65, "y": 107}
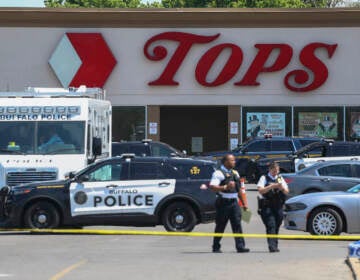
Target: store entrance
{"x": 195, "y": 129}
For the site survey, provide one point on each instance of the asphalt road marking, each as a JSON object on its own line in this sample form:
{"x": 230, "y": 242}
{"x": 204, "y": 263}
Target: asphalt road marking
{"x": 5, "y": 275}
{"x": 67, "y": 270}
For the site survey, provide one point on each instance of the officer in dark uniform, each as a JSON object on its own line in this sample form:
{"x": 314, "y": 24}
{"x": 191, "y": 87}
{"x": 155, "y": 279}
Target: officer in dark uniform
{"x": 272, "y": 193}
{"x": 226, "y": 183}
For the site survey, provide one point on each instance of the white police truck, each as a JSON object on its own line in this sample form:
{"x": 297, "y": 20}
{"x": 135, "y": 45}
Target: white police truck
{"x": 47, "y": 132}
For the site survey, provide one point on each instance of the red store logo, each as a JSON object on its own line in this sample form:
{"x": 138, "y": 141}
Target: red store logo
{"x": 298, "y": 80}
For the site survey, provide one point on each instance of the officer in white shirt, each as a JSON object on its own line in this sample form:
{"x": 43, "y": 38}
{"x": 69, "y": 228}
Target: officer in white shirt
{"x": 226, "y": 183}
{"x": 272, "y": 194}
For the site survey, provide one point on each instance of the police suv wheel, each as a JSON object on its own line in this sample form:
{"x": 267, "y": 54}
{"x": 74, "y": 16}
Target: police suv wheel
{"x": 42, "y": 215}
{"x": 179, "y": 216}
{"x": 325, "y": 221}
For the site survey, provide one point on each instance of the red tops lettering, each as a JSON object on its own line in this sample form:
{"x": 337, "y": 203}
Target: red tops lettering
{"x": 313, "y": 76}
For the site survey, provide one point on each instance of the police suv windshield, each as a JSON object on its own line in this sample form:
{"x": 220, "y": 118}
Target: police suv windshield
{"x": 42, "y": 137}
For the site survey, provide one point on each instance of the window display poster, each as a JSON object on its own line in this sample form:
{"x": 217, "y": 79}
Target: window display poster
{"x": 318, "y": 124}
{"x": 258, "y": 124}
{"x": 234, "y": 128}
{"x": 153, "y": 128}
{"x": 355, "y": 125}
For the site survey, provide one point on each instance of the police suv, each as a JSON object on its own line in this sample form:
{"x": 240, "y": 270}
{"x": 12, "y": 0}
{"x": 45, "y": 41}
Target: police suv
{"x": 324, "y": 150}
{"x": 266, "y": 147}
{"x": 126, "y": 190}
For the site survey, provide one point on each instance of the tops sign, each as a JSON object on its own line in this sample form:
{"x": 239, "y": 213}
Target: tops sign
{"x": 313, "y": 76}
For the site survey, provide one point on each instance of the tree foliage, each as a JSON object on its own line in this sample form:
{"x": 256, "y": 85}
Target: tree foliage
{"x": 195, "y": 3}
{"x": 355, "y": 4}
{"x": 93, "y": 3}
{"x": 323, "y": 3}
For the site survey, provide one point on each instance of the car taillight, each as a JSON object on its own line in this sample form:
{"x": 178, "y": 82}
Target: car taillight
{"x": 288, "y": 180}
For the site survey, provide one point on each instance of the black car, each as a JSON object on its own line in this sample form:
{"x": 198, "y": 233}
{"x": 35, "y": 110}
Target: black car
{"x": 127, "y": 190}
{"x": 146, "y": 147}
{"x": 266, "y": 147}
{"x": 323, "y": 148}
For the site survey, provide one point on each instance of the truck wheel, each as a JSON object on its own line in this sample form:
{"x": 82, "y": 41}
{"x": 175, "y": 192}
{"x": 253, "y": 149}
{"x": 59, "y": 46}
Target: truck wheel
{"x": 325, "y": 221}
{"x": 42, "y": 215}
{"x": 179, "y": 216}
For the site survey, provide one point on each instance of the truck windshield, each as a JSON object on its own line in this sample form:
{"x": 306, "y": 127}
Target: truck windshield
{"x": 42, "y": 137}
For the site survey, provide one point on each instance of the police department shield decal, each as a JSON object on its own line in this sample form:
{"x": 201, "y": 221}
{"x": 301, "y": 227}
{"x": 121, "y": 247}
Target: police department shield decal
{"x": 80, "y": 197}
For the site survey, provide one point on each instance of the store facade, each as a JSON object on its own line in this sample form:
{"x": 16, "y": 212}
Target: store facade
{"x": 196, "y": 79}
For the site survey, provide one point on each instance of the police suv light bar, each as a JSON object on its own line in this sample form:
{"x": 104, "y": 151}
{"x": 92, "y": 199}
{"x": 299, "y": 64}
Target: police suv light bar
{"x": 127, "y": 155}
{"x": 328, "y": 140}
{"x": 267, "y": 135}
{"x": 146, "y": 140}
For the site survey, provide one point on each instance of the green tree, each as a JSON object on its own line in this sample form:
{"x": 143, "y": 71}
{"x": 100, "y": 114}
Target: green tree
{"x": 355, "y": 4}
{"x": 93, "y": 3}
{"x": 195, "y": 3}
{"x": 323, "y": 3}
{"x": 275, "y": 4}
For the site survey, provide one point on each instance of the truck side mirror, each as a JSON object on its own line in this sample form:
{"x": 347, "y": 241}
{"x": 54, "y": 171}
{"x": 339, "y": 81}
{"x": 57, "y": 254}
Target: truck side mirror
{"x": 97, "y": 146}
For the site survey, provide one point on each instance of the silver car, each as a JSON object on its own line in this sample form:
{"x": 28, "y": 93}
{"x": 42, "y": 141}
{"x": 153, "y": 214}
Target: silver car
{"x": 324, "y": 177}
{"x": 326, "y": 213}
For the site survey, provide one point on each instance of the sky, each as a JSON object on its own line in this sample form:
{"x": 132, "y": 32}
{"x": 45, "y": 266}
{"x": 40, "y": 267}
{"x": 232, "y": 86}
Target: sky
{"x": 22, "y": 3}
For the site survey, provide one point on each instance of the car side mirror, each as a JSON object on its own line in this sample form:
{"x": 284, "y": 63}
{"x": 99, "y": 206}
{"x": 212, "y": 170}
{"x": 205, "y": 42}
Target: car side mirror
{"x": 70, "y": 175}
{"x": 82, "y": 178}
{"x": 292, "y": 156}
{"x": 97, "y": 146}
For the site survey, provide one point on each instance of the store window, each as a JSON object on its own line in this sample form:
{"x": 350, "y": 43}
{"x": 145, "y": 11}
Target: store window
{"x": 353, "y": 123}
{"x": 258, "y": 121}
{"x": 128, "y": 123}
{"x": 324, "y": 122}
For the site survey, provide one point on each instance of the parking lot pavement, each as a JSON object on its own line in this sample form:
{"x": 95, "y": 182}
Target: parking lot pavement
{"x": 32, "y": 256}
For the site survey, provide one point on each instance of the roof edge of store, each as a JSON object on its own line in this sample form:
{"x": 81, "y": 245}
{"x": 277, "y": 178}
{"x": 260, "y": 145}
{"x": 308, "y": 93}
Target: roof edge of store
{"x": 132, "y": 18}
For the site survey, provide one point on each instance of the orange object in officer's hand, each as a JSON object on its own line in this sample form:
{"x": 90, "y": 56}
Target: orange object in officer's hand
{"x": 243, "y": 194}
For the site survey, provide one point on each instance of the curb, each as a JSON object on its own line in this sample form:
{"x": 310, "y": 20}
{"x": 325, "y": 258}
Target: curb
{"x": 354, "y": 264}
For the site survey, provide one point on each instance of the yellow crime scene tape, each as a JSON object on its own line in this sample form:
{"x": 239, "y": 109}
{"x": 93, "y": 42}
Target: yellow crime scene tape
{"x": 184, "y": 234}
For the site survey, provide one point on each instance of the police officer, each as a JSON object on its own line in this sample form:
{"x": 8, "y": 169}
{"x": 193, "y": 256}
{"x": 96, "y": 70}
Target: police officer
{"x": 226, "y": 183}
{"x": 272, "y": 193}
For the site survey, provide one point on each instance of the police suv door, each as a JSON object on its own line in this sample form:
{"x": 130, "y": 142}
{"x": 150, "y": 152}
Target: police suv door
{"x": 150, "y": 185}
{"x": 96, "y": 194}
